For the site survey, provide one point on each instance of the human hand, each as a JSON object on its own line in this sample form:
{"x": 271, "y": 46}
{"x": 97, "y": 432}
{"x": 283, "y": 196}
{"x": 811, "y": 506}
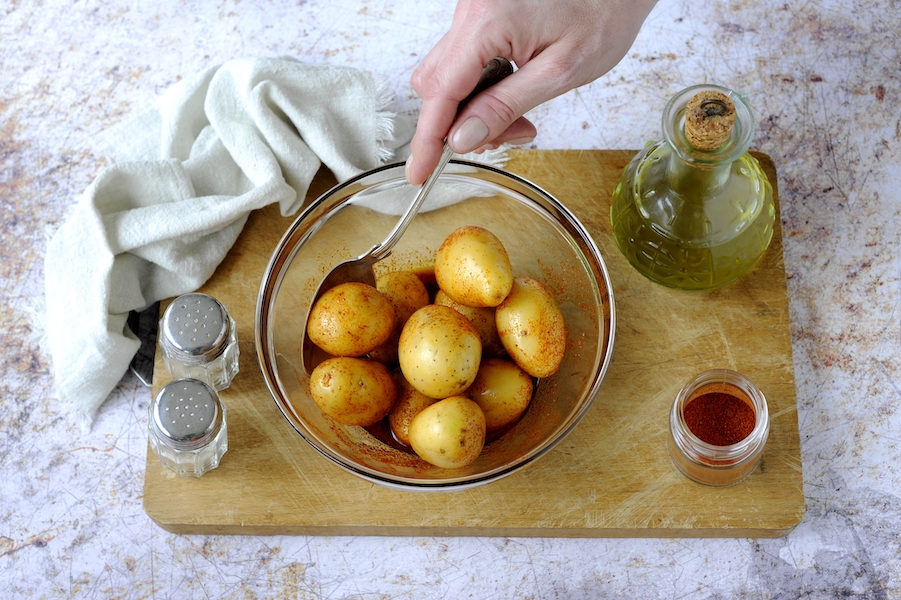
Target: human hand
{"x": 557, "y": 46}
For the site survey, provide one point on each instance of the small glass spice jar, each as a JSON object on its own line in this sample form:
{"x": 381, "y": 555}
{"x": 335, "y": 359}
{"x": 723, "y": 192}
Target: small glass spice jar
{"x": 187, "y": 427}
{"x": 199, "y": 340}
{"x": 719, "y": 425}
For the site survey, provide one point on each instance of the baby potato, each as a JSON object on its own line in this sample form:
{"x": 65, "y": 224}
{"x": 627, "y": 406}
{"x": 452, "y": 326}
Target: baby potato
{"x": 482, "y": 318}
{"x": 503, "y": 392}
{"x": 353, "y": 391}
{"x": 449, "y": 433}
{"x": 410, "y": 402}
{"x": 351, "y": 319}
{"x": 406, "y": 291}
{"x": 439, "y": 351}
{"x": 407, "y": 294}
{"x": 531, "y": 327}
{"x": 473, "y": 268}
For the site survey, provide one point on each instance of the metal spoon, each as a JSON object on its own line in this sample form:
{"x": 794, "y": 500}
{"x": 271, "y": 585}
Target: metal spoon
{"x": 360, "y": 268}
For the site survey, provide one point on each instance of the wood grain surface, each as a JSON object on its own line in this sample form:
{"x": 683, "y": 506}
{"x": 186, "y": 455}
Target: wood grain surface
{"x": 611, "y": 477}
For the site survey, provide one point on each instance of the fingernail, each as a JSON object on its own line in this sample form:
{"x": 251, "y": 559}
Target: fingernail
{"x": 469, "y": 136}
{"x": 520, "y": 141}
{"x": 408, "y": 167}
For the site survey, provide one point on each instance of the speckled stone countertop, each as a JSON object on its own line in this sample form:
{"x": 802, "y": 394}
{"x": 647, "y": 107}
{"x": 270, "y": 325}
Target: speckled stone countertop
{"x": 824, "y": 79}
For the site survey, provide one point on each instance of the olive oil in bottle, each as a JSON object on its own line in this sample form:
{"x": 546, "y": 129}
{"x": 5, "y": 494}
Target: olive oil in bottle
{"x": 694, "y": 210}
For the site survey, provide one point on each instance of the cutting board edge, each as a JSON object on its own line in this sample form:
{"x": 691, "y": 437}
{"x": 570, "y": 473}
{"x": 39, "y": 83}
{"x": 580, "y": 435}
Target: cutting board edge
{"x": 531, "y": 532}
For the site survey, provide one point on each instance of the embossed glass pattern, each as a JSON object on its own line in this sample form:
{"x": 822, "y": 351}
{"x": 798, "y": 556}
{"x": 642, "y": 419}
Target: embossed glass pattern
{"x": 694, "y": 219}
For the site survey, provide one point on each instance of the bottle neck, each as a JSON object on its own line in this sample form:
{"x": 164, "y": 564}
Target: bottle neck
{"x": 696, "y": 182}
{"x": 695, "y": 172}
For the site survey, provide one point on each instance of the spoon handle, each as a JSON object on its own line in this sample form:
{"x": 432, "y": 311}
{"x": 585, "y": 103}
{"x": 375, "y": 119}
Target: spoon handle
{"x": 494, "y": 71}
{"x": 385, "y": 249}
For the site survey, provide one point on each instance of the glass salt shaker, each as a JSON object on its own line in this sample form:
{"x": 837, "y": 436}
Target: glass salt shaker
{"x": 198, "y": 339}
{"x": 187, "y": 427}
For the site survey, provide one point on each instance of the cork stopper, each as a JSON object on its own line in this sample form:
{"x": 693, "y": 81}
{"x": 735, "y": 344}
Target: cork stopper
{"x": 709, "y": 117}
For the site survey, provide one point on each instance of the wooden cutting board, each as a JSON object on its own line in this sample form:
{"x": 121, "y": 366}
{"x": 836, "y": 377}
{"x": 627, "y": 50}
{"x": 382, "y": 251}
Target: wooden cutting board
{"x": 611, "y": 477}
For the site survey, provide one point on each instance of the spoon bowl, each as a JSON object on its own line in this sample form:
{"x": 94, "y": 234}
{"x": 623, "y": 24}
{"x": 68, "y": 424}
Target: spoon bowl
{"x": 360, "y": 269}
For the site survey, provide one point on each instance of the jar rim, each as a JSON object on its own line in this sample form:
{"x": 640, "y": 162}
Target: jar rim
{"x": 740, "y": 137}
{"x": 711, "y": 455}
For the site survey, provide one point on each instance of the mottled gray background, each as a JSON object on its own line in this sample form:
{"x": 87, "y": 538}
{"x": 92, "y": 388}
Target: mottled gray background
{"x": 823, "y": 78}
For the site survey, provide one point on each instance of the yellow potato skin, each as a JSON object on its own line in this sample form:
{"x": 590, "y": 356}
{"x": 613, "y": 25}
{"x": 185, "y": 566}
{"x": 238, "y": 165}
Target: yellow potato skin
{"x": 405, "y": 290}
{"x": 439, "y": 351}
{"x": 531, "y": 327}
{"x": 482, "y": 318}
{"x": 503, "y": 392}
{"x": 410, "y": 402}
{"x": 351, "y": 319}
{"x": 407, "y": 294}
{"x": 353, "y": 391}
{"x": 473, "y": 268}
{"x": 450, "y": 433}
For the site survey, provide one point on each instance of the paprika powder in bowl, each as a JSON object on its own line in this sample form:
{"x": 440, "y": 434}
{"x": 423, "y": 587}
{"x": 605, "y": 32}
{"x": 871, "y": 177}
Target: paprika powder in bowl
{"x": 543, "y": 239}
{"x": 719, "y": 425}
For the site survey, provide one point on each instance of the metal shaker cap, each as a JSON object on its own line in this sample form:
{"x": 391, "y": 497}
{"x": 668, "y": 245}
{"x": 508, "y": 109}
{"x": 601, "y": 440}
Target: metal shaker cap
{"x": 186, "y": 414}
{"x": 195, "y": 328}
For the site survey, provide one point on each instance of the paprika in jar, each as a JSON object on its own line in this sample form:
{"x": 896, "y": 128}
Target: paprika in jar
{"x": 719, "y": 425}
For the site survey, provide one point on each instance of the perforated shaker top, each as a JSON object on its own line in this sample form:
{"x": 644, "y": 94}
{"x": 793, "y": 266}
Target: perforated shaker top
{"x": 195, "y": 328}
{"x": 186, "y": 414}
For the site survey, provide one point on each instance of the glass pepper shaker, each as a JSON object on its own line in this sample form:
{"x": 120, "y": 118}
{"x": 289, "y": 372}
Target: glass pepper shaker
{"x": 187, "y": 424}
{"x": 198, "y": 339}
{"x": 695, "y": 210}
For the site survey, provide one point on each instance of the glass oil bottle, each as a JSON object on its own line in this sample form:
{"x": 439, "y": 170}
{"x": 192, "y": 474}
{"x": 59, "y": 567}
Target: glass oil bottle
{"x": 695, "y": 211}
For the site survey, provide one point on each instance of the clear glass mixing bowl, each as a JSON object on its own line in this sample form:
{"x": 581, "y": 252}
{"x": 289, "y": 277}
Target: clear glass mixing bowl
{"x": 544, "y": 240}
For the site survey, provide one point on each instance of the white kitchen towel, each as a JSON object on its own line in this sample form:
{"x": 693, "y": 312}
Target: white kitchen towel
{"x": 237, "y": 137}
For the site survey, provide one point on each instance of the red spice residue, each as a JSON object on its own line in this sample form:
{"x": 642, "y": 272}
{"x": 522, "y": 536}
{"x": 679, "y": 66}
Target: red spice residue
{"x": 719, "y": 419}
